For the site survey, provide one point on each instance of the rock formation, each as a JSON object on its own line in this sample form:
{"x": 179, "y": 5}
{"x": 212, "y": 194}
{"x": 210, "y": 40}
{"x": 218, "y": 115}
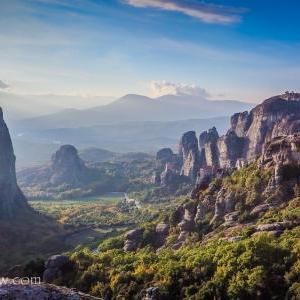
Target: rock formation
{"x": 224, "y": 205}
{"x": 54, "y": 267}
{"x": 282, "y": 149}
{"x": 12, "y": 200}
{"x": 67, "y": 167}
{"x": 244, "y": 142}
{"x": 275, "y": 117}
{"x": 189, "y": 153}
{"x": 250, "y": 132}
{"x": 133, "y": 239}
{"x": 161, "y": 231}
{"x": 208, "y": 147}
{"x": 66, "y": 175}
{"x": 168, "y": 168}
{"x": 170, "y": 177}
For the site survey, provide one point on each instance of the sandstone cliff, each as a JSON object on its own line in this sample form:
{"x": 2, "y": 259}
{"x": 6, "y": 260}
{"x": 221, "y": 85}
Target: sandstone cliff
{"x": 189, "y": 153}
{"x": 250, "y": 131}
{"x": 214, "y": 155}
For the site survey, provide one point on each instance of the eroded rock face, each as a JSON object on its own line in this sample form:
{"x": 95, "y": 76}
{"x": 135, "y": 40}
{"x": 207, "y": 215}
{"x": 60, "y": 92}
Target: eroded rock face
{"x": 282, "y": 149}
{"x": 133, "y": 239}
{"x": 67, "y": 167}
{"x": 275, "y": 117}
{"x": 283, "y": 153}
{"x": 189, "y": 151}
{"x": 209, "y": 153}
{"x": 203, "y": 208}
{"x": 230, "y": 147}
{"x": 12, "y": 200}
{"x": 250, "y": 132}
{"x": 224, "y": 204}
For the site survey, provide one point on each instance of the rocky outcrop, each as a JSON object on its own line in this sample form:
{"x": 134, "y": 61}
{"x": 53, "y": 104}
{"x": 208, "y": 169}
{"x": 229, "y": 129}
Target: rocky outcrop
{"x": 55, "y": 266}
{"x": 230, "y": 148}
{"x": 151, "y": 293}
{"x": 275, "y": 117}
{"x": 67, "y": 167}
{"x": 203, "y": 208}
{"x": 209, "y": 153}
{"x": 282, "y": 150}
{"x": 161, "y": 231}
{"x": 283, "y": 154}
{"x": 133, "y": 239}
{"x": 12, "y": 289}
{"x": 224, "y": 204}
{"x": 12, "y": 200}
{"x": 204, "y": 177}
{"x": 260, "y": 209}
{"x": 66, "y": 175}
{"x": 167, "y": 173}
{"x": 169, "y": 176}
{"x": 189, "y": 153}
{"x": 250, "y": 132}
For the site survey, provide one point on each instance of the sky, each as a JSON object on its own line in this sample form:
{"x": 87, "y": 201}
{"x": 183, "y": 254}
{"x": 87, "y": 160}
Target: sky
{"x": 245, "y": 50}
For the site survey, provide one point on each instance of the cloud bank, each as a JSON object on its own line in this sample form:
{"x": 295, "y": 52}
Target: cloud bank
{"x": 3, "y": 85}
{"x": 208, "y": 13}
{"x": 160, "y": 88}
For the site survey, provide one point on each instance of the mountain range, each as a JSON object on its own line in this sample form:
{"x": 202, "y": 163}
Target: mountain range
{"x": 134, "y": 108}
{"x": 18, "y": 107}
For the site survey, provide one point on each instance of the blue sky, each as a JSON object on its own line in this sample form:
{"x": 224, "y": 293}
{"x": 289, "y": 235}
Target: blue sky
{"x": 235, "y": 49}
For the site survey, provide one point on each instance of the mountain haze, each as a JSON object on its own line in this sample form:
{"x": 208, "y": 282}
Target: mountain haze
{"x": 19, "y": 107}
{"x": 36, "y": 145}
{"x": 138, "y": 108}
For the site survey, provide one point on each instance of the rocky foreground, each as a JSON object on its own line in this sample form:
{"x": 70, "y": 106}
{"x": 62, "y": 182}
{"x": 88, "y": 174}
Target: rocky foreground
{"x": 43, "y": 291}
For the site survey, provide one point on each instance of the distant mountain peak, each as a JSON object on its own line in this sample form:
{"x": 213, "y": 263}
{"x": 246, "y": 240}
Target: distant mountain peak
{"x": 131, "y": 97}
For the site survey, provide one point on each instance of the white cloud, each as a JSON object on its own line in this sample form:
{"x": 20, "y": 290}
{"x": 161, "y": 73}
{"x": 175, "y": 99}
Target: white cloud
{"x": 3, "y": 85}
{"x": 160, "y": 88}
{"x": 207, "y": 13}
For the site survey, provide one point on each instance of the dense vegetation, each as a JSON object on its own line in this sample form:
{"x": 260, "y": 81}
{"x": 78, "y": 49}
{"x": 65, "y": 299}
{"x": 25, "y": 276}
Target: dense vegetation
{"x": 257, "y": 267}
